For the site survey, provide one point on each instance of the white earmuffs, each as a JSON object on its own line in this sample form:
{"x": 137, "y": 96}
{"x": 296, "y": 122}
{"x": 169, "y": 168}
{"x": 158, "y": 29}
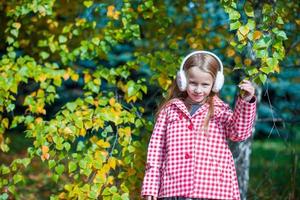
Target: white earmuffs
{"x": 181, "y": 78}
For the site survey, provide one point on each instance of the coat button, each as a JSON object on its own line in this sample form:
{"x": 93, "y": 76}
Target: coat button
{"x": 187, "y": 156}
{"x": 190, "y": 126}
{"x": 180, "y": 116}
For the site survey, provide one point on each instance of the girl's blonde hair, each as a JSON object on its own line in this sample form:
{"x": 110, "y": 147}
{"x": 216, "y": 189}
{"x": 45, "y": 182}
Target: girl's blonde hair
{"x": 205, "y": 63}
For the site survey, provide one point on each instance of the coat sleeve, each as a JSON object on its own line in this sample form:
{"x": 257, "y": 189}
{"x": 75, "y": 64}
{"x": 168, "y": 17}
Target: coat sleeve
{"x": 238, "y": 124}
{"x": 155, "y": 157}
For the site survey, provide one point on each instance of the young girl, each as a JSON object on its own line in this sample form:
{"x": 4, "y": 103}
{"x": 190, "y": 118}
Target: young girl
{"x": 188, "y": 156}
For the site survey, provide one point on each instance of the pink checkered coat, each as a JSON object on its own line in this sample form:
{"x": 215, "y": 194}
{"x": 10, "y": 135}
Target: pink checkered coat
{"x": 183, "y": 161}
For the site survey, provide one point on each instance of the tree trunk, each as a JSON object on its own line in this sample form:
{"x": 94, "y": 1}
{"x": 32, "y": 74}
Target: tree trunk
{"x": 241, "y": 153}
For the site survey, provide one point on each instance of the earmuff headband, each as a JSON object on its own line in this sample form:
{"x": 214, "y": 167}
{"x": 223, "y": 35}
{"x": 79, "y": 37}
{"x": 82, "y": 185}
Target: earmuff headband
{"x": 202, "y": 52}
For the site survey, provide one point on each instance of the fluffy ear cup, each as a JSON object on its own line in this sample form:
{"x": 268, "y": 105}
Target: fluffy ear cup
{"x": 181, "y": 78}
{"x": 219, "y": 82}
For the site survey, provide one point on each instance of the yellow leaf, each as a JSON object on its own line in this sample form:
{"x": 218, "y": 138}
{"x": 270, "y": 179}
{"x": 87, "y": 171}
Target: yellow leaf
{"x": 100, "y": 177}
{"x": 97, "y": 81}
{"x": 237, "y": 59}
{"x": 87, "y": 77}
{"x": 110, "y": 180}
{"x": 103, "y": 144}
{"x": 17, "y": 25}
{"x": 277, "y": 69}
{"x": 164, "y": 81}
{"x": 66, "y": 76}
{"x": 42, "y": 77}
{"x": 45, "y": 149}
{"x": 5, "y": 122}
{"x": 112, "y": 162}
{"x": 244, "y": 30}
{"x": 257, "y": 35}
{"x": 67, "y": 130}
{"x": 247, "y": 62}
{"x": 122, "y": 86}
{"x": 45, "y": 155}
{"x": 112, "y": 13}
{"x": 112, "y": 101}
{"x": 75, "y": 77}
{"x": 82, "y": 132}
{"x": 38, "y": 120}
{"x": 230, "y": 52}
{"x": 127, "y": 131}
{"x": 40, "y": 109}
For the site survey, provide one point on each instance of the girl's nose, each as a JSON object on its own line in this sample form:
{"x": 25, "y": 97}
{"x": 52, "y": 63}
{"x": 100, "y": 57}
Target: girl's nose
{"x": 198, "y": 90}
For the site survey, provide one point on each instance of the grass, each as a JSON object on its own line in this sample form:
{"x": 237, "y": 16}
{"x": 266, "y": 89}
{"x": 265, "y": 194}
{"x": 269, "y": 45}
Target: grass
{"x": 274, "y": 170}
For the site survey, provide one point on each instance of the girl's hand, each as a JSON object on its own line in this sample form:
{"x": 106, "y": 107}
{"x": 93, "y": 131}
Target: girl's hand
{"x": 248, "y": 90}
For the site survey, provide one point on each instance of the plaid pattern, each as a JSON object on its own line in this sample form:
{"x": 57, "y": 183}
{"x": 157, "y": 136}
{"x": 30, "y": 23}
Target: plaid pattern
{"x": 179, "y": 198}
{"x": 185, "y": 162}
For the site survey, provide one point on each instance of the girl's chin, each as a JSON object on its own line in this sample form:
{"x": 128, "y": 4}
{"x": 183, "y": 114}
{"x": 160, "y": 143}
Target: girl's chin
{"x": 197, "y": 100}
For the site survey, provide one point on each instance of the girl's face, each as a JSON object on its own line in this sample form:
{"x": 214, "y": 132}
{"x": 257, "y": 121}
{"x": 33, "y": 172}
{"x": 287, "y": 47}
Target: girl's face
{"x": 199, "y": 84}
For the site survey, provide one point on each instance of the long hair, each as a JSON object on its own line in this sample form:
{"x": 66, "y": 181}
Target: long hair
{"x": 204, "y": 62}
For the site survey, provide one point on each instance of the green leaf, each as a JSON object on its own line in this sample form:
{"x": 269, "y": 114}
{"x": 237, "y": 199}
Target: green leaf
{"x": 71, "y": 106}
{"x": 62, "y": 39}
{"x": 279, "y": 34}
{"x": 263, "y": 78}
{"x": 251, "y": 24}
{"x": 82, "y": 164}
{"x": 262, "y": 53}
{"x": 67, "y": 146}
{"x": 51, "y": 163}
{"x": 80, "y": 146}
{"x": 234, "y": 15}
{"x": 248, "y": 9}
{"x": 89, "y": 100}
{"x": 88, "y": 3}
{"x": 113, "y": 189}
{"x": 266, "y": 70}
{"x": 116, "y": 197}
{"x": 17, "y": 178}
{"x": 72, "y": 166}
{"x": 131, "y": 88}
{"x": 10, "y": 40}
{"x": 44, "y": 55}
{"x": 279, "y": 20}
{"x": 106, "y": 192}
{"x": 4, "y": 196}
{"x": 26, "y": 161}
{"x": 125, "y": 196}
{"x": 10, "y": 107}
{"x": 60, "y": 169}
{"x": 14, "y": 32}
{"x": 272, "y": 62}
{"x": 5, "y": 170}
{"x": 235, "y": 25}
{"x": 55, "y": 177}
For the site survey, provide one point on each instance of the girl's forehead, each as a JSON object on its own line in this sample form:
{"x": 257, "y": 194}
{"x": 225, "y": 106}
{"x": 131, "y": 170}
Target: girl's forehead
{"x": 197, "y": 72}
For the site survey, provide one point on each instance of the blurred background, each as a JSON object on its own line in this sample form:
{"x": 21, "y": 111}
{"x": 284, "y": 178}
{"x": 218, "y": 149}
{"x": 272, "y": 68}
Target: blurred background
{"x": 81, "y": 80}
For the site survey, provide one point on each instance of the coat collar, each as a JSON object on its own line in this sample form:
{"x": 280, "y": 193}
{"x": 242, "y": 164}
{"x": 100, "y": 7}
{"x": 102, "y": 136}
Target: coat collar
{"x": 181, "y": 106}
